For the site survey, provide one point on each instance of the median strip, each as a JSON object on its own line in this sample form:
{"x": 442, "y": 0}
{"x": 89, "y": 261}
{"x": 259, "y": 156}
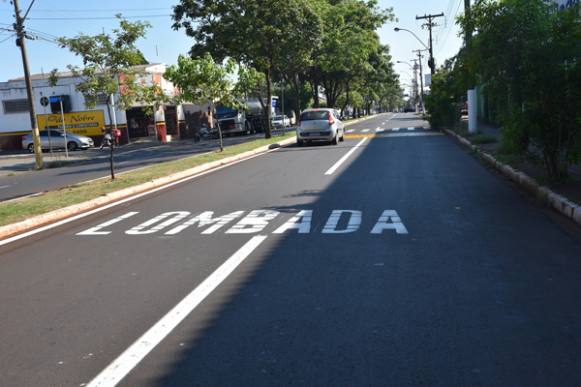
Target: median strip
{"x": 30, "y": 213}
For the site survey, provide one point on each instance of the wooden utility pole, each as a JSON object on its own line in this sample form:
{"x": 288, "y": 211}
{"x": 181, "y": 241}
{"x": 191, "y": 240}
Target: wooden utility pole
{"x": 430, "y": 24}
{"x": 20, "y": 42}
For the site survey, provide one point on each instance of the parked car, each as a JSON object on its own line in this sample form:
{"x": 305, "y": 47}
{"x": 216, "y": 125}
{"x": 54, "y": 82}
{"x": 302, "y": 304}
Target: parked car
{"x": 281, "y": 121}
{"x": 320, "y": 125}
{"x": 56, "y": 140}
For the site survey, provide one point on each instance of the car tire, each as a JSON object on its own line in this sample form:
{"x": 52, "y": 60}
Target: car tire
{"x": 335, "y": 139}
{"x": 71, "y": 146}
{"x": 30, "y": 148}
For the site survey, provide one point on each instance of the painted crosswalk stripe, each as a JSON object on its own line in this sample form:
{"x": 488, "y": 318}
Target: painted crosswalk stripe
{"x": 350, "y": 131}
{"x": 411, "y": 128}
{"x": 379, "y": 130}
{"x": 395, "y": 129}
{"x": 365, "y": 131}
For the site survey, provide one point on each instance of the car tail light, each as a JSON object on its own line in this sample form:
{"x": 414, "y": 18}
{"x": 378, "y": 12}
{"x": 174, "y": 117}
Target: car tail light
{"x": 331, "y": 119}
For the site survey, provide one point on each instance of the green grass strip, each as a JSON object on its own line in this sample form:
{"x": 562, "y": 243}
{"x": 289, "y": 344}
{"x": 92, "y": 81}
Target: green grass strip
{"x": 21, "y": 209}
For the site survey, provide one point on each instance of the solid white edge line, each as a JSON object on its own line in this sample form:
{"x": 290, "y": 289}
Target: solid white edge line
{"x": 345, "y": 157}
{"x": 132, "y": 356}
{"x": 122, "y": 201}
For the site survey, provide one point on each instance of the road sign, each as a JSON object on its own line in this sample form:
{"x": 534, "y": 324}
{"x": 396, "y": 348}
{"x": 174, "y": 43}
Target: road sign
{"x": 55, "y": 99}
{"x": 44, "y": 101}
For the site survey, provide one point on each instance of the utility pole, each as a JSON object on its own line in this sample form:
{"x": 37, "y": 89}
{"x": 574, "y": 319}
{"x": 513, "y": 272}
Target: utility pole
{"x": 420, "y": 56}
{"x": 430, "y": 24}
{"x": 415, "y": 82}
{"x": 20, "y": 42}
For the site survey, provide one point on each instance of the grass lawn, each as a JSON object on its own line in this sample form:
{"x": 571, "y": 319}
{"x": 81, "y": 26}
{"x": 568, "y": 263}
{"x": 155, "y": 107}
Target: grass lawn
{"x": 21, "y": 209}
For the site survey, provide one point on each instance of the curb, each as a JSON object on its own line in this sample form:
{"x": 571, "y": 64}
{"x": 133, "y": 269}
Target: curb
{"x": 13, "y": 229}
{"x": 557, "y": 202}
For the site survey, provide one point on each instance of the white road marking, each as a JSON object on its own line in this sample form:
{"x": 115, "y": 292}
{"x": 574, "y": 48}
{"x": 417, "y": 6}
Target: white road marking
{"x": 254, "y": 222}
{"x": 379, "y": 130}
{"x": 150, "y": 226}
{"x": 352, "y": 225}
{"x": 345, "y": 157}
{"x": 411, "y": 128}
{"x": 304, "y": 226}
{"x": 395, "y": 129}
{"x": 205, "y": 219}
{"x": 389, "y": 220}
{"x": 350, "y": 131}
{"x": 4, "y": 186}
{"x": 132, "y": 356}
{"x": 415, "y": 134}
{"x": 122, "y": 201}
{"x": 97, "y": 229}
{"x": 365, "y": 131}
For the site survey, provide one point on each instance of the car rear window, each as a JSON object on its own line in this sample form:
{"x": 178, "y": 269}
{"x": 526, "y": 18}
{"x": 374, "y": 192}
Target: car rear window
{"x": 315, "y": 115}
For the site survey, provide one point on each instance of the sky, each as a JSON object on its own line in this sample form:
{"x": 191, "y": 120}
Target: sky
{"x": 53, "y": 18}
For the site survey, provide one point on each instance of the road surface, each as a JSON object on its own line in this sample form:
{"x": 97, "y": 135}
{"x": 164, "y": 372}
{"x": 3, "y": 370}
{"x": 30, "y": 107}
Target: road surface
{"x": 393, "y": 258}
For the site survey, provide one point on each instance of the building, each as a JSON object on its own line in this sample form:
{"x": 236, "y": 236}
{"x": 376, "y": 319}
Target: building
{"x": 173, "y": 121}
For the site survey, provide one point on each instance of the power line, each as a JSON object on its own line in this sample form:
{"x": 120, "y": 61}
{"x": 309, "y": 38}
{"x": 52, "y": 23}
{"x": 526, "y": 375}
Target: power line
{"x": 99, "y": 10}
{"x": 8, "y": 38}
{"x": 97, "y": 17}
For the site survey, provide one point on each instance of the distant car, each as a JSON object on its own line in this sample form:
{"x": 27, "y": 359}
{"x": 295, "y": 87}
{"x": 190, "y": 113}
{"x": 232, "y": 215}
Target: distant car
{"x": 280, "y": 121}
{"x": 320, "y": 125}
{"x": 56, "y": 140}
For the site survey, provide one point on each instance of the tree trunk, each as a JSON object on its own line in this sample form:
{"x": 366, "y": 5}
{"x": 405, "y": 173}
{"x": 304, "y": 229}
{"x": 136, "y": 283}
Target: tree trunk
{"x": 111, "y": 155}
{"x": 268, "y": 105}
{"x": 315, "y": 87}
{"x": 297, "y": 89}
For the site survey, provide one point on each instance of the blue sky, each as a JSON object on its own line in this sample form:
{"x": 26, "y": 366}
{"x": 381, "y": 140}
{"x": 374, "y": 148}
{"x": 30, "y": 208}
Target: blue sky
{"x": 67, "y": 18}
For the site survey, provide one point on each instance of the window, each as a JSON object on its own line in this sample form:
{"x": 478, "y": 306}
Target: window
{"x": 15, "y": 106}
{"x": 313, "y": 115}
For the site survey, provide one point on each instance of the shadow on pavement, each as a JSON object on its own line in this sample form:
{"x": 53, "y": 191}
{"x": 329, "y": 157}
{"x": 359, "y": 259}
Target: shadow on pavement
{"x": 482, "y": 291}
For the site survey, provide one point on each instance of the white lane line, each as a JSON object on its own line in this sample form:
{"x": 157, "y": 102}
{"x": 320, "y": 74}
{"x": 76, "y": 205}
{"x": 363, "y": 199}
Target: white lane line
{"x": 365, "y": 131}
{"x": 350, "y": 131}
{"x": 395, "y": 129}
{"x": 4, "y": 186}
{"x": 133, "y": 355}
{"x": 345, "y": 157}
{"x": 122, "y": 201}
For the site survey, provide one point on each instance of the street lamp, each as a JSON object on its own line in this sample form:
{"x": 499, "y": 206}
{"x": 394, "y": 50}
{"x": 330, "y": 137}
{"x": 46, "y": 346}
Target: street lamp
{"x": 407, "y": 63}
{"x": 431, "y": 60}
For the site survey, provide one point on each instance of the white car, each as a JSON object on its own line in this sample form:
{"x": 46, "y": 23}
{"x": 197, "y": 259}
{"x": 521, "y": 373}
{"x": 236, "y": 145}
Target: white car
{"x": 280, "y": 121}
{"x": 320, "y": 125}
{"x": 56, "y": 140}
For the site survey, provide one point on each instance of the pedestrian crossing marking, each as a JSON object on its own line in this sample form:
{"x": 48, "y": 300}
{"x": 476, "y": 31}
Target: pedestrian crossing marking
{"x": 395, "y": 129}
{"x": 411, "y": 128}
{"x": 350, "y": 131}
{"x": 365, "y": 131}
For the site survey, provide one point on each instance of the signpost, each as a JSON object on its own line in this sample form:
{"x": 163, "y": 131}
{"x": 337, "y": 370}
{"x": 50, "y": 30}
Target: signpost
{"x": 44, "y": 102}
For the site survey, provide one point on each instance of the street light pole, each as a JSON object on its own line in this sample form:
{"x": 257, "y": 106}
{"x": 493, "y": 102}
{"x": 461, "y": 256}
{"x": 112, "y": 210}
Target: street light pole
{"x": 20, "y": 42}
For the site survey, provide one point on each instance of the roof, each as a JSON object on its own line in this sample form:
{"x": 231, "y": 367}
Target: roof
{"x": 68, "y": 74}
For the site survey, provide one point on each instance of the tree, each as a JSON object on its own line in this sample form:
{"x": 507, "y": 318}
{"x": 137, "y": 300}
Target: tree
{"x": 153, "y": 97}
{"x": 108, "y": 65}
{"x": 203, "y": 80}
{"x": 527, "y": 54}
{"x": 265, "y": 35}
{"x": 348, "y": 40}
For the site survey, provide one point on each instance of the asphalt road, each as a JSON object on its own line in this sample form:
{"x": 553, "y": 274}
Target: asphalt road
{"x": 409, "y": 263}
{"x": 17, "y": 179}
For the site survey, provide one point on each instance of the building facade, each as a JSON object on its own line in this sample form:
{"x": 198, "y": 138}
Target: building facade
{"x": 172, "y": 121}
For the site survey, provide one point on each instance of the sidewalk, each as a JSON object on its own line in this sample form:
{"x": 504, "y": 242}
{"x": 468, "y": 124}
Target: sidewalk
{"x": 570, "y": 189}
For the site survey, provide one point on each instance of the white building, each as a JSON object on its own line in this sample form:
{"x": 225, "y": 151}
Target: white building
{"x": 134, "y": 123}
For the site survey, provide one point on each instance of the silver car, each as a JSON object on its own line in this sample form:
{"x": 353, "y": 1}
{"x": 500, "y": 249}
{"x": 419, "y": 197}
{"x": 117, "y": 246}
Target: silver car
{"x": 320, "y": 125}
{"x": 56, "y": 140}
